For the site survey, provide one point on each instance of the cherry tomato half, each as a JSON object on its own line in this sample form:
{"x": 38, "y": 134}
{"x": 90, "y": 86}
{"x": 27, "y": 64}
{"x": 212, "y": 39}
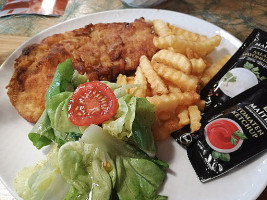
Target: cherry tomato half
{"x": 92, "y": 103}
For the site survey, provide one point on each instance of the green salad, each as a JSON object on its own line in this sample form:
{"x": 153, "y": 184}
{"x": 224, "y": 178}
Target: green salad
{"x": 109, "y": 155}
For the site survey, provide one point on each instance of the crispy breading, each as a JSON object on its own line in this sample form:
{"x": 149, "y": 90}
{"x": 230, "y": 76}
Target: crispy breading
{"x": 102, "y": 51}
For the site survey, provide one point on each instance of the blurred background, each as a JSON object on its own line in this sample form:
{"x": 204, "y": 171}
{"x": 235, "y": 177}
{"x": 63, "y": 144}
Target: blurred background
{"x": 237, "y": 17}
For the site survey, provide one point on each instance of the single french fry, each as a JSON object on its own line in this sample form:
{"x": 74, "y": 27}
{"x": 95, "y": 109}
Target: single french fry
{"x": 195, "y": 117}
{"x": 139, "y": 79}
{"x": 156, "y": 83}
{"x": 170, "y": 101}
{"x": 184, "y": 34}
{"x": 166, "y": 102}
{"x": 198, "y": 66}
{"x": 187, "y": 98}
{"x": 173, "y": 88}
{"x": 122, "y": 79}
{"x": 184, "y": 98}
{"x": 161, "y": 28}
{"x": 130, "y": 79}
{"x": 164, "y": 115}
{"x": 210, "y": 72}
{"x": 148, "y": 90}
{"x": 163, "y": 131}
{"x": 201, "y": 105}
{"x": 202, "y": 47}
{"x": 163, "y": 42}
{"x": 160, "y": 134}
{"x": 172, "y": 124}
{"x": 176, "y": 77}
{"x": 183, "y": 116}
{"x": 190, "y": 53}
{"x": 176, "y": 60}
{"x": 202, "y": 38}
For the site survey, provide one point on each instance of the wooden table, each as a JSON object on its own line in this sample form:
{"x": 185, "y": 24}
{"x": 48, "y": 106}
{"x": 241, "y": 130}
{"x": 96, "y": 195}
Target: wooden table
{"x": 237, "y": 17}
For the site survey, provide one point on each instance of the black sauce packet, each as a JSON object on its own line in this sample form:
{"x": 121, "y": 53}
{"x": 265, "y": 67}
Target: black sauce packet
{"x": 230, "y": 134}
{"x": 246, "y": 68}
{"x": 250, "y": 64}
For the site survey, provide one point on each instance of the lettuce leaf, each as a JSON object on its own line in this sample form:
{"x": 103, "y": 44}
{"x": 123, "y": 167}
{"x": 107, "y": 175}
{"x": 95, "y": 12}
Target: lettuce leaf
{"x": 42, "y": 181}
{"x": 42, "y": 133}
{"x": 142, "y": 125}
{"x": 62, "y": 80}
{"x": 120, "y": 125}
{"x": 53, "y": 125}
{"x": 134, "y": 118}
{"x": 57, "y": 110}
{"x": 99, "y": 164}
{"x": 136, "y": 181}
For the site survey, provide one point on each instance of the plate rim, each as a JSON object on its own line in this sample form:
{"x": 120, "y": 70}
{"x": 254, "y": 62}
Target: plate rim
{"x": 10, "y": 58}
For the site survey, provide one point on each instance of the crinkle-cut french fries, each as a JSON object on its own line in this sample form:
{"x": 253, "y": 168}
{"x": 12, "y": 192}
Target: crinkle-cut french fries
{"x": 122, "y": 79}
{"x": 176, "y": 60}
{"x": 210, "y": 72}
{"x": 148, "y": 90}
{"x": 166, "y": 102}
{"x": 202, "y": 38}
{"x": 176, "y": 77}
{"x": 130, "y": 80}
{"x": 161, "y": 28}
{"x": 184, "y": 98}
{"x": 173, "y": 78}
{"x": 164, "y": 115}
{"x": 180, "y": 45}
{"x": 183, "y": 116}
{"x": 190, "y": 53}
{"x": 201, "y": 105}
{"x": 187, "y": 98}
{"x": 195, "y": 117}
{"x": 162, "y": 130}
{"x": 184, "y": 34}
{"x": 157, "y": 85}
{"x": 139, "y": 79}
{"x": 169, "y": 102}
{"x": 198, "y": 65}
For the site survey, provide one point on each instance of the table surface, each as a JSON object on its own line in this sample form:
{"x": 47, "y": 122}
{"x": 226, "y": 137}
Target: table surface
{"x": 237, "y": 17}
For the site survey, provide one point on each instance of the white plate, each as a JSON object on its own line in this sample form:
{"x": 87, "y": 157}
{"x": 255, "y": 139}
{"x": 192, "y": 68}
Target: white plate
{"x": 246, "y": 182}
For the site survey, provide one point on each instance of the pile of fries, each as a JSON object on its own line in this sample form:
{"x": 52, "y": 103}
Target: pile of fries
{"x": 174, "y": 76}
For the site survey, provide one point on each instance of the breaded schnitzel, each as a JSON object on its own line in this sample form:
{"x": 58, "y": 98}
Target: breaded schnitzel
{"x": 102, "y": 51}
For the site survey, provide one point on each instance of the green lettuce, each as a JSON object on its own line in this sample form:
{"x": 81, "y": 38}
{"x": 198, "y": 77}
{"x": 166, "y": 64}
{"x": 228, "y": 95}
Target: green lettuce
{"x": 120, "y": 125}
{"x": 57, "y": 110}
{"x": 93, "y": 162}
{"x": 62, "y": 80}
{"x": 138, "y": 178}
{"x": 101, "y": 166}
{"x": 42, "y": 133}
{"x": 97, "y": 166}
{"x": 134, "y": 118}
{"x": 53, "y": 125}
{"x": 42, "y": 181}
{"x": 142, "y": 125}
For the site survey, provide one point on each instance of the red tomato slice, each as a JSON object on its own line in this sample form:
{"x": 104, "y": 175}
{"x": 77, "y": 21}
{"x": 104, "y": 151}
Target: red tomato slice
{"x": 92, "y": 103}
